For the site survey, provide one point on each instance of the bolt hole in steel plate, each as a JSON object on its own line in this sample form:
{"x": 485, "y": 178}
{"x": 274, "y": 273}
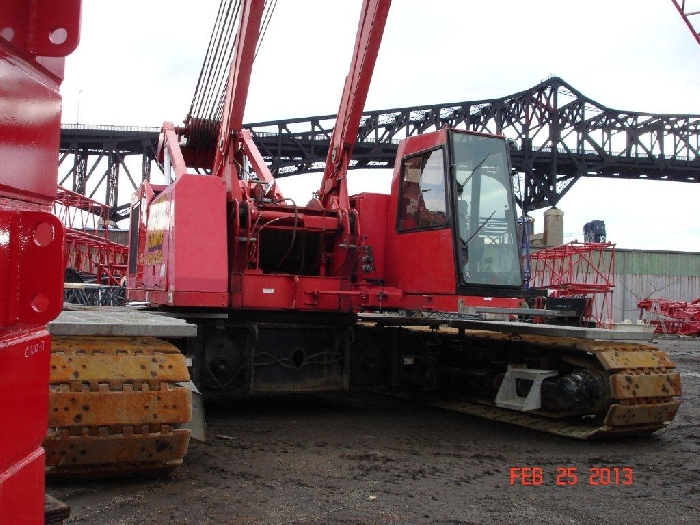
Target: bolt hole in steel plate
{"x": 58, "y": 36}
{"x": 40, "y": 303}
{"x": 7, "y": 33}
{"x": 298, "y": 356}
{"x": 43, "y": 234}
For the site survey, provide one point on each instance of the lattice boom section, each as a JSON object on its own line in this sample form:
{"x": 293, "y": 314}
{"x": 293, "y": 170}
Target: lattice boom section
{"x": 88, "y": 249}
{"x": 578, "y": 270}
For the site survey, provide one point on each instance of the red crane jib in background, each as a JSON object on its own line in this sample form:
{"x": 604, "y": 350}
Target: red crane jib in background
{"x": 691, "y": 18}
{"x": 88, "y": 248}
{"x": 672, "y": 317}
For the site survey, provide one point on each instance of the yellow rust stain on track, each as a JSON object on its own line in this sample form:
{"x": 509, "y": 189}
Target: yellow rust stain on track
{"x": 645, "y": 384}
{"x": 77, "y": 455}
{"x": 115, "y": 405}
{"x": 643, "y": 414}
{"x": 109, "y": 407}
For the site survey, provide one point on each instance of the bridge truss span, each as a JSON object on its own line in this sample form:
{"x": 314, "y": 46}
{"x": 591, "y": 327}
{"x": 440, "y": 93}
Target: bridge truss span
{"x": 557, "y": 134}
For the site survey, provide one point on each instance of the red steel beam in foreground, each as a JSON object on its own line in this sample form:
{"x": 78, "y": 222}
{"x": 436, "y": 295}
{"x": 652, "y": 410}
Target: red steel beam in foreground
{"x": 34, "y": 39}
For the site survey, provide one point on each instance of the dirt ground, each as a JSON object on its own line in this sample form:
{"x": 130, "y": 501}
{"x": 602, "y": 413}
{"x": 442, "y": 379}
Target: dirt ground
{"x": 368, "y": 459}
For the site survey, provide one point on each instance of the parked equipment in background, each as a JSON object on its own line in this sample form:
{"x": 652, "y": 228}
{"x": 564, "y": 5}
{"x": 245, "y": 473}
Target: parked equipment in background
{"x": 671, "y": 317}
{"x": 594, "y": 231}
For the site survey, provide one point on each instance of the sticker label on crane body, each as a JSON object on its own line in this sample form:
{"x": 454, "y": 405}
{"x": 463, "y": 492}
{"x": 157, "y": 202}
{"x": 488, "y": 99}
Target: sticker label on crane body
{"x": 268, "y": 290}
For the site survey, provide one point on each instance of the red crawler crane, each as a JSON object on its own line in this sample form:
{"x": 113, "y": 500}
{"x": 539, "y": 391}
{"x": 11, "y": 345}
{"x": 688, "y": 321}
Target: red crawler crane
{"x": 276, "y": 289}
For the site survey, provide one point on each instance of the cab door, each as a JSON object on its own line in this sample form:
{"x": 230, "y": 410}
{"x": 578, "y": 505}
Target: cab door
{"x": 420, "y": 254}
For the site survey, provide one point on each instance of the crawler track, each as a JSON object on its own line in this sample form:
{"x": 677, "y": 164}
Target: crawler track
{"x": 643, "y": 387}
{"x": 115, "y": 407}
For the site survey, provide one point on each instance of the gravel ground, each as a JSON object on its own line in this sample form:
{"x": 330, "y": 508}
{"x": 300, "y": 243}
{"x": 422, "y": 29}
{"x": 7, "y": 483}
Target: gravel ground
{"x": 368, "y": 459}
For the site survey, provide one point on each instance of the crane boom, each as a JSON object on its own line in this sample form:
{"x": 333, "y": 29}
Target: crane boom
{"x": 334, "y": 191}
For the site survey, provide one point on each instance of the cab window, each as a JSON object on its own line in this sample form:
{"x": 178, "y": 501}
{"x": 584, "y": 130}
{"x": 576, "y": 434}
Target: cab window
{"x": 422, "y": 199}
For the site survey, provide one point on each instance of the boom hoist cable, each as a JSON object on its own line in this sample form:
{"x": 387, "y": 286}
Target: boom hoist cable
{"x": 206, "y": 110}
{"x": 269, "y": 11}
{"x": 201, "y": 120}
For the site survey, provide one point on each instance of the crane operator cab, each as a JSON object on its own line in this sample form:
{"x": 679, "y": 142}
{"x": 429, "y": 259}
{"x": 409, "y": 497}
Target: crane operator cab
{"x": 455, "y": 216}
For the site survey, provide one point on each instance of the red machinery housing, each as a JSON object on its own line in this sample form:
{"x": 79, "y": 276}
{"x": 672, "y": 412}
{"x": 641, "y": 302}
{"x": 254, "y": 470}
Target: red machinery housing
{"x": 33, "y": 41}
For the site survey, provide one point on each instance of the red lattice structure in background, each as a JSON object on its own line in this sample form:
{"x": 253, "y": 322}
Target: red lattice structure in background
{"x": 578, "y": 270}
{"x": 672, "y": 317}
{"x": 88, "y": 248}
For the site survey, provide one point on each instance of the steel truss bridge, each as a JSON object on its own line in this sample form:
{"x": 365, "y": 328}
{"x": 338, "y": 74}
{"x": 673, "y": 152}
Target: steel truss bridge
{"x": 557, "y": 134}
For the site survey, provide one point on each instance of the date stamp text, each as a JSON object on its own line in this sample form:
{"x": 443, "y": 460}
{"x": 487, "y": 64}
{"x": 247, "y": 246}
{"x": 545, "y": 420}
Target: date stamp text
{"x": 568, "y": 476}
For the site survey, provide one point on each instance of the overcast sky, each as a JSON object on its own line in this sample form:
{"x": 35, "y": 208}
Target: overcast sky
{"x": 138, "y": 63}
